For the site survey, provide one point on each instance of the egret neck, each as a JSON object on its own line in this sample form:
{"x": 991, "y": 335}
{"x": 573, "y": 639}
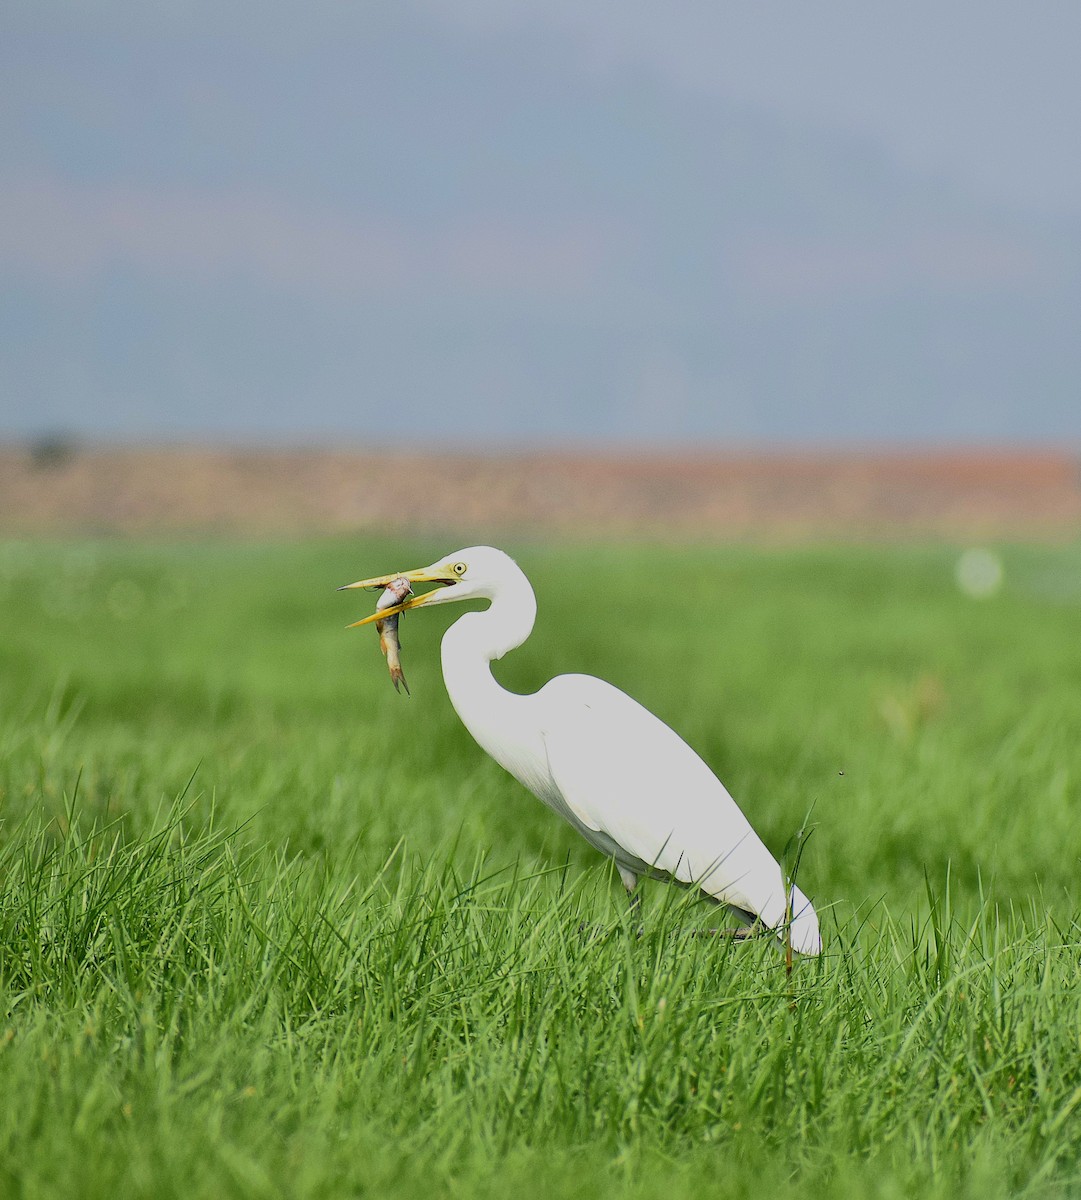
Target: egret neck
{"x": 497, "y": 719}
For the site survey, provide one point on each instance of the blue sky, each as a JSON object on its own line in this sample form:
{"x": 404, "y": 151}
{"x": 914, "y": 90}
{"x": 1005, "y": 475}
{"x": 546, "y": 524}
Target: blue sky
{"x": 516, "y": 223}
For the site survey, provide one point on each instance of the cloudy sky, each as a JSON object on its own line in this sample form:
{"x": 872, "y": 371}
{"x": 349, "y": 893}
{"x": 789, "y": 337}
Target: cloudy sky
{"x": 500, "y": 222}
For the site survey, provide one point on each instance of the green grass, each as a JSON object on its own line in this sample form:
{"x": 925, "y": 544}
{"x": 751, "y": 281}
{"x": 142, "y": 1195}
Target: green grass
{"x": 269, "y": 929}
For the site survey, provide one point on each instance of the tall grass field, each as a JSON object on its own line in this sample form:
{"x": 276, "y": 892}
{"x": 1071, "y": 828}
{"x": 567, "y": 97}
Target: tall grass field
{"x": 269, "y": 929}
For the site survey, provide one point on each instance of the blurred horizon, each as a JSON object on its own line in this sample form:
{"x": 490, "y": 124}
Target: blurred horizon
{"x": 54, "y": 488}
{"x": 516, "y": 225}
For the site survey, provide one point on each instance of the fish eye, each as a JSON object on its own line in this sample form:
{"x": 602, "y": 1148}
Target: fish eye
{"x": 459, "y": 568}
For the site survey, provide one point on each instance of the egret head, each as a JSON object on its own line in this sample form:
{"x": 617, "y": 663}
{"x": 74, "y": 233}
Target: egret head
{"x": 475, "y": 573}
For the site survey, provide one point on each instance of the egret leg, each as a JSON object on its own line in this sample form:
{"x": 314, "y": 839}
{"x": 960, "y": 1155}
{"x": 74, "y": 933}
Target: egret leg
{"x": 630, "y": 882}
{"x": 741, "y": 934}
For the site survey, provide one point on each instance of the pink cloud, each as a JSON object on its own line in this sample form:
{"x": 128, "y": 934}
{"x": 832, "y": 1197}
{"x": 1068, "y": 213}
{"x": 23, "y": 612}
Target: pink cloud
{"x": 68, "y": 234}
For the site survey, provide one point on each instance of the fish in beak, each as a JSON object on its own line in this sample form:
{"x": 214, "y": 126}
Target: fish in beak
{"x": 442, "y": 576}
{"x": 387, "y": 628}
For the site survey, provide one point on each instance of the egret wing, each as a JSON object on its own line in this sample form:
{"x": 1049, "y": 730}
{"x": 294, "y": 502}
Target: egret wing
{"x": 624, "y": 773}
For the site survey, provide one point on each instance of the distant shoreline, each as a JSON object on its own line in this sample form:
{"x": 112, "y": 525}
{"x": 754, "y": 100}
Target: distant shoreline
{"x": 52, "y": 487}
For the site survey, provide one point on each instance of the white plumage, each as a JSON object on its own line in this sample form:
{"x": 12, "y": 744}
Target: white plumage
{"x": 626, "y": 781}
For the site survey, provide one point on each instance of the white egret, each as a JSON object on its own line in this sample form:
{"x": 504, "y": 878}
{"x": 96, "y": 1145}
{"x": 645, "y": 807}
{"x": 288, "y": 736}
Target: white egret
{"x": 629, "y": 784}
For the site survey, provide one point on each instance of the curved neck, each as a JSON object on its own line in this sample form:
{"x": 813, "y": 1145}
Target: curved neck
{"x": 468, "y": 648}
{"x": 478, "y": 638}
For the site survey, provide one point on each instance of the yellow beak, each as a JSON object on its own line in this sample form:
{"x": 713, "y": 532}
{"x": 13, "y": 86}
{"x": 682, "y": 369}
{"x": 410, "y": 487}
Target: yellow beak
{"x": 423, "y": 575}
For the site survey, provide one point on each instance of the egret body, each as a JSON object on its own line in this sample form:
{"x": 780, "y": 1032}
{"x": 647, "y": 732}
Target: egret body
{"x": 627, "y": 782}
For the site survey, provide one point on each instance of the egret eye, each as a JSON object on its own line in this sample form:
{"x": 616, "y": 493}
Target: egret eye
{"x": 459, "y": 568}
